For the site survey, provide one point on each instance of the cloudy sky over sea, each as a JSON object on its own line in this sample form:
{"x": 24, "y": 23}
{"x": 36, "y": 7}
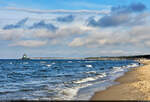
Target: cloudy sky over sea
{"x": 74, "y": 28}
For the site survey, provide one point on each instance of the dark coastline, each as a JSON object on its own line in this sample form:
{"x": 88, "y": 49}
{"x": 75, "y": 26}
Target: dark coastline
{"x": 134, "y": 57}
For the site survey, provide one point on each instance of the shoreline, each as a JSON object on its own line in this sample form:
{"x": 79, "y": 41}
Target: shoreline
{"x": 133, "y": 85}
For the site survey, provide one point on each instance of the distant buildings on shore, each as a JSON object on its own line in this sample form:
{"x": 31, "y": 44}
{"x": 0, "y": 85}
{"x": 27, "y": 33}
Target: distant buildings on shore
{"x": 24, "y": 57}
{"x": 56, "y": 58}
{"x": 136, "y": 57}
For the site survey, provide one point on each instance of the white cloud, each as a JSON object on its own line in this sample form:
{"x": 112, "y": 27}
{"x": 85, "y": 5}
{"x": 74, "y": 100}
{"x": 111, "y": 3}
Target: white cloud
{"x": 82, "y": 36}
{"x": 23, "y": 37}
{"x": 77, "y": 35}
{"x": 56, "y": 11}
{"x": 115, "y": 52}
{"x": 11, "y": 34}
{"x": 77, "y": 42}
{"x": 60, "y": 33}
{"x": 29, "y": 43}
{"x": 134, "y": 36}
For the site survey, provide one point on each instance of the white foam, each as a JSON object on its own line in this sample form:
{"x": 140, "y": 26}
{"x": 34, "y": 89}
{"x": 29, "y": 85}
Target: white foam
{"x": 53, "y": 63}
{"x": 117, "y": 75}
{"x": 89, "y": 66}
{"x": 90, "y": 78}
{"x": 102, "y": 75}
{"x": 117, "y": 69}
{"x": 69, "y": 61}
{"x": 69, "y": 93}
{"x": 85, "y": 80}
{"x": 86, "y": 91}
{"x": 90, "y": 72}
{"x": 123, "y": 66}
{"x": 134, "y": 65}
{"x": 49, "y": 65}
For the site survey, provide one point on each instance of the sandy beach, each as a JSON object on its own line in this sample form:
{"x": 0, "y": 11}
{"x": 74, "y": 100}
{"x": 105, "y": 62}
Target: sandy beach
{"x": 134, "y": 85}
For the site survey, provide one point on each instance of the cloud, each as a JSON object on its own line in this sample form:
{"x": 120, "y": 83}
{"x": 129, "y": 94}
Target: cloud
{"x": 57, "y": 11}
{"x": 80, "y": 37}
{"x": 60, "y": 33}
{"x": 114, "y": 52}
{"x": 140, "y": 35}
{"x": 38, "y": 25}
{"x": 17, "y": 25}
{"x": 109, "y": 21}
{"x": 12, "y": 34}
{"x": 42, "y": 24}
{"x": 29, "y": 43}
{"x": 134, "y": 7}
{"x": 23, "y": 37}
{"x": 119, "y": 16}
{"x": 135, "y": 36}
{"x": 121, "y": 29}
{"x": 68, "y": 18}
{"x": 77, "y": 42}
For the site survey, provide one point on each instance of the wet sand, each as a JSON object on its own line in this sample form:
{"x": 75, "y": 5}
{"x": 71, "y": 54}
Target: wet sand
{"x": 134, "y": 85}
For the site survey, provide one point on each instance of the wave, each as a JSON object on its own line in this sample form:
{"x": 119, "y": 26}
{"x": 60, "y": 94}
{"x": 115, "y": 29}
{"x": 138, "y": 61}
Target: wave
{"x": 91, "y": 72}
{"x": 90, "y": 78}
{"x": 85, "y": 80}
{"x": 102, "y": 85}
{"x": 133, "y": 65}
{"x": 69, "y": 93}
{"x": 68, "y": 79}
{"x": 49, "y": 65}
{"x": 89, "y": 66}
{"x": 69, "y": 61}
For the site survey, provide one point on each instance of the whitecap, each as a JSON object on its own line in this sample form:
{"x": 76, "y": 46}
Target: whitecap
{"x": 49, "y": 65}
{"x": 90, "y": 78}
{"x": 89, "y": 66}
{"x": 90, "y": 72}
{"x": 69, "y": 61}
{"x": 85, "y": 80}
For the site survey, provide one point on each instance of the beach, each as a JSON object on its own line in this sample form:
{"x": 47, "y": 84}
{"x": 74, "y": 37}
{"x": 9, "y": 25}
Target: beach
{"x": 134, "y": 85}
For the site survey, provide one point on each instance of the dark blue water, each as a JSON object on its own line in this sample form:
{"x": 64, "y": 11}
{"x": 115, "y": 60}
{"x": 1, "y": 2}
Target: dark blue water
{"x": 57, "y": 79}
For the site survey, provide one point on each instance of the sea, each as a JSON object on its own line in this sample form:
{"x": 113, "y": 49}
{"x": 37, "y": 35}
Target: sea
{"x": 58, "y": 79}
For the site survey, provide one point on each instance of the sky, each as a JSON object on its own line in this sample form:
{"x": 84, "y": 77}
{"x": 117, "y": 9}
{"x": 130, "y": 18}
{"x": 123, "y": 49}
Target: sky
{"x": 74, "y": 28}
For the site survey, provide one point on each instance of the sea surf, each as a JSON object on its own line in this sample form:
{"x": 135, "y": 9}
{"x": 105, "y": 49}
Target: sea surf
{"x": 58, "y": 79}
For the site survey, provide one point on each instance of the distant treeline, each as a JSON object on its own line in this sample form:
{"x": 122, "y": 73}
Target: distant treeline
{"x": 120, "y": 57}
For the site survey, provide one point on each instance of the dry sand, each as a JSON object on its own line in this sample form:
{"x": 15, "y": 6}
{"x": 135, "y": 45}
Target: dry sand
{"x": 134, "y": 85}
